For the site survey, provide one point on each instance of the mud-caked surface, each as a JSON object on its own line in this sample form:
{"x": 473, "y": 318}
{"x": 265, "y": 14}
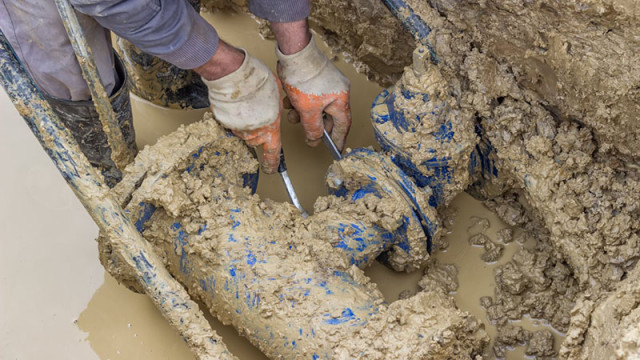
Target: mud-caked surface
{"x": 606, "y": 326}
{"x": 148, "y": 169}
{"x": 581, "y": 196}
{"x": 579, "y": 58}
{"x": 380, "y": 47}
{"x": 584, "y": 195}
{"x": 456, "y": 336}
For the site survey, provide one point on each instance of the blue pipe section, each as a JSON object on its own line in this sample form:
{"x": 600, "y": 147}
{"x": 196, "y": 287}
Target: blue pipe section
{"x": 483, "y": 170}
{"x": 387, "y": 179}
{"x": 435, "y": 172}
{"x": 358, "y": 241}
{"x": 412, "y": 22}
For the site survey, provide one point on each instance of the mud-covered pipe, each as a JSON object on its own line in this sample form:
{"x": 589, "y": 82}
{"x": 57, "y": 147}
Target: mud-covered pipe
{"x": 412, "y": 22}
{"x": 247, "y": 260}
{"x": 120, "y": 153}
{"x": 269, "y": 288}
{"x": 264, "y": 269}
{"x": 358, "y": 233}
{"x": 289, "y": 301}
{"x": 440, "y": 146}
{"x": 166, "y": 293}
{"x": 446, "y": 158}
{"x": 362, "y": 173}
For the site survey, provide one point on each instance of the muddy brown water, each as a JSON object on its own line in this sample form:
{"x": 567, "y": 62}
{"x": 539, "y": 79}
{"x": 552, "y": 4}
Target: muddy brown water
{"x": 56, "y": 301}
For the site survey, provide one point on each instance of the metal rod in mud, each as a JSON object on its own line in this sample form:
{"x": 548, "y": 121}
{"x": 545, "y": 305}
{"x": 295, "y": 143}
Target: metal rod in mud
{"x": 282, "y": 170}
{"x": 412, "y": 22}
{"x": 166, "y": 293}
{"x": 120, "y": 153}
{"x": 333, "y": 149}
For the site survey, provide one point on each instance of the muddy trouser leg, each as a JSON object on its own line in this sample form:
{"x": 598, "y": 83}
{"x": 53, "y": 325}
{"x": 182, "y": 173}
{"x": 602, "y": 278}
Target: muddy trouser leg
{"x": 81, "y": 118}
{"x": 160, "y": 82}
{"x": 35, "y": 30}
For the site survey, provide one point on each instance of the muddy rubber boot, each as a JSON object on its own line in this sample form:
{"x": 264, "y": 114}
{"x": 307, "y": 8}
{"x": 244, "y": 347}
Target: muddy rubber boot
{"x": 81, "y": 118}
{"x": 160, "y": 82}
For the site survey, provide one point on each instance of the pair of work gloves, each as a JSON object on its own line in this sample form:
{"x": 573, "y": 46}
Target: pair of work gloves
{"x": 248, "y": 101}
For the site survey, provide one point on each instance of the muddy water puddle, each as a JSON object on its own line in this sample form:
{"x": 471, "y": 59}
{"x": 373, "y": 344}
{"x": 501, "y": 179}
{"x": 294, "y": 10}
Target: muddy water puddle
{"x": 119, "y": 324}
{"x": 475, "y": 276}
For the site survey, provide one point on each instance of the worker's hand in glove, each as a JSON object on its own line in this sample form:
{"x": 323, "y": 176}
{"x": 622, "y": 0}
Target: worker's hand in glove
{"x": 315, "y": 86}
{"x": 247, "y": 101}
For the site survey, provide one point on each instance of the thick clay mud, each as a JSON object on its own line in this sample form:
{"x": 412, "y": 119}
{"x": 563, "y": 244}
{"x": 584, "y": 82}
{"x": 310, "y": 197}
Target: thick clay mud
{"x": 606, "y": 325}
{"x": 555, "y": 87}
{"x": 578, "y": 58}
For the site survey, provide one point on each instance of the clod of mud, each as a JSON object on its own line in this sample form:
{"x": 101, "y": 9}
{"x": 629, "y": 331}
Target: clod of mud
{"x": 478, "y": 225}
{"x": 437, "y": 275}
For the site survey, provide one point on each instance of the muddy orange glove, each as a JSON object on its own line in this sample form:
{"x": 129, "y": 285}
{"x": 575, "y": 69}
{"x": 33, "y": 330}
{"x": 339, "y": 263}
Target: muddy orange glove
{"x": 314, "y": 85}
{"x": 248, "y": 102}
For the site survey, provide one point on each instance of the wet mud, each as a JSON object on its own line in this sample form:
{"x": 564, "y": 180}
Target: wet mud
{"x": 555, "y": 88}
{"x": 570, "y": 183}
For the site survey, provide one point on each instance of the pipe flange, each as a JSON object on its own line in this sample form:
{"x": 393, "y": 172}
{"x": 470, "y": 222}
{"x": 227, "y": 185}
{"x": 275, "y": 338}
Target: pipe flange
{"x": 363, "y": 171}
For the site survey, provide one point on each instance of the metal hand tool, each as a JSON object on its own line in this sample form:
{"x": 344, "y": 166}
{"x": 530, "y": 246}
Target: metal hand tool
{"x": 328, "y": 142}
{"x": 282, "y": 170}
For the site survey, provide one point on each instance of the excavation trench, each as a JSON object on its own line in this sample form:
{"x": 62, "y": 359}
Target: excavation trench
{"x": 568, "y": 199}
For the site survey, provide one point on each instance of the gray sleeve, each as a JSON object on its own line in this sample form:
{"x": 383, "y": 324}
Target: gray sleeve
{"x": 280, "y": 10}
{"x": 169, "y": 29}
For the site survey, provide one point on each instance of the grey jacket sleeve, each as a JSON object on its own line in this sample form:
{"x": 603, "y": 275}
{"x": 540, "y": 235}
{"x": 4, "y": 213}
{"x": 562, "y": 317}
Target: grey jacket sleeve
{"x": 169, "y": 29}
{"x": 280, "y": 10}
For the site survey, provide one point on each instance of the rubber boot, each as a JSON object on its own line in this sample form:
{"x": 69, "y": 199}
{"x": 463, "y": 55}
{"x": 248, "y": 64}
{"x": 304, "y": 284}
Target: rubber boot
{"x": 81, "y": 118}
{"x": 160, "y": 82}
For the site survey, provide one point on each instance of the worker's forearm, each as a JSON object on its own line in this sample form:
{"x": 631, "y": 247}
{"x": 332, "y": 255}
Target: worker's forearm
{"x": 226, "y": 60}
{"x": 291, "y": 36}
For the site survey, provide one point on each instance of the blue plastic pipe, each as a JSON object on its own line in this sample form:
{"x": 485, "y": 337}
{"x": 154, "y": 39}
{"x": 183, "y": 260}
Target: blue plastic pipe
{"x": 413, "y": 23}
{"x": 120, "y": 153}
